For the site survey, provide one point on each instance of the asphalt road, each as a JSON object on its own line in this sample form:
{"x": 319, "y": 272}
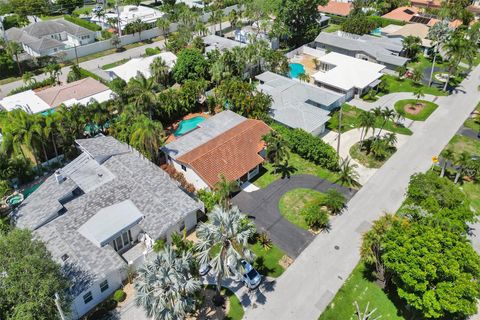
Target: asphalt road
{"x": 311, "y": 282}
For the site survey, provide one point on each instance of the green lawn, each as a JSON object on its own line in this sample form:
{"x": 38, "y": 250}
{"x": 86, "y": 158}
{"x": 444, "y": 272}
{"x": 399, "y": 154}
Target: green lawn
{"x": 362, "y": 290}
{"x": 266, "y": 260}
{"x": 292, "y": 203}
{"x": 236, "y": 310}
{"x": 44, "y": 18}
{"x": 301, "y": 165}
{"x": 332, "y": 28}
{"x": 474, "y": 122}
{"x": 84, "y": 10}
{"x": 395, "y": 84}
{"x": 472, "y": 190}
{"x": 461, "y": 143}
{"x": 114, "y": 64}
{"x": 369, "y": 160}
{"x": 427, "y": 110}
{"x": 351, "y": 120}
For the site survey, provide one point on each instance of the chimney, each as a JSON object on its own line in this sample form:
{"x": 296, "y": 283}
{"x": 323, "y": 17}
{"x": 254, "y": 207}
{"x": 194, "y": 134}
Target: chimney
{"x": 59, "y": 177}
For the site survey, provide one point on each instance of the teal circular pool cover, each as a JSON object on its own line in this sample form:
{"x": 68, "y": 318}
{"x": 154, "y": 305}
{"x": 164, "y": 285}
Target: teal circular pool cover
{"x": 15, "y": 199}
{"x": 296, "y": 69}
{"x": 186, "y": 126}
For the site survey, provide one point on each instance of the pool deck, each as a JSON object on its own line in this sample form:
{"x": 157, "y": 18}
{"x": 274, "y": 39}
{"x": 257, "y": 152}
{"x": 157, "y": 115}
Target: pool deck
{"x": 307, "y": 61}
{"x": 171, "y": 129}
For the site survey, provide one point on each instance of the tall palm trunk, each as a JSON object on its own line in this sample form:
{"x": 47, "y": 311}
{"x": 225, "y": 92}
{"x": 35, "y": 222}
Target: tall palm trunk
{"x": 448, "y": 80}
{"x": 433, "y": 67}
{"x": 457, "y": 176}
{"x": 44, "y": 150}
{"x": 54, "y": 146}
{"x": 444, "y": 167}
{"x": 18, "y": 64}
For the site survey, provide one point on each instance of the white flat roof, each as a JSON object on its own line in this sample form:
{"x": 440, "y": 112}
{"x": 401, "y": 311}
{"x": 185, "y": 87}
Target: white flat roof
{"x": 130, "y": 68}
{"x": 26, "y": 100}
{"x": 348, "y": 72}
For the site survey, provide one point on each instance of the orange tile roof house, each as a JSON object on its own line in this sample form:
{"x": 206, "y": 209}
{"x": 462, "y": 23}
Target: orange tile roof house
{"x": 337, "y": 8}
{"x": 426, "y": 3}
{"x": 414, "y": 15}
{"x": 225, "y": 144}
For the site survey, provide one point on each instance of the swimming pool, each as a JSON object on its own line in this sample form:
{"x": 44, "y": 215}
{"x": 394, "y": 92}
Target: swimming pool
{"x": 186, "y": 126}
{"x": 296, "y": 69}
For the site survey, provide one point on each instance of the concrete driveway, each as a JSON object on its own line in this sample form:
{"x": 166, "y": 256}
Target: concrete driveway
{"x": 262, "y": 206}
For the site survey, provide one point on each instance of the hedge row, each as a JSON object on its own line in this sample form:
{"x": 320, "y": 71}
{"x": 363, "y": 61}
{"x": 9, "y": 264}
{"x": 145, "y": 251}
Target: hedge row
{"x": 34, "y": 85}
{"x": 309, "y": 147}
{"x": 83, "y": 23}
{"x": 86, "y": 73}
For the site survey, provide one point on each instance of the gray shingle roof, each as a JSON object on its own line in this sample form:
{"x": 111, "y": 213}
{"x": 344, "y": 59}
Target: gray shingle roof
{"x": 44, "y": 28}
{"x": 135, "y": 179}
{"x": 296, "y": 104}
{"x": 206, "y": 131}
{"x": 216, "y": 42}
{"x": 384, "y": 50}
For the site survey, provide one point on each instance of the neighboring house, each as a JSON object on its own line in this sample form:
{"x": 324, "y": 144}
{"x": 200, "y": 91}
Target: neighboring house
{"x": 415, "y": 15}
{"x": 82, "y": 92}
{"x": 299, "y": 105}
{"x": 258, "y": 31}
{"x": 346, "y": 75}
{"x": 412, "y": 29}
{"x": 193, "y": 3}
{"x": 426, "y": 3}
{"x": 44, "y": 38}
{"x": 225, "y": 144}
{"x": 129, "y": 14}
{"x": 214, "y": 42}
{"x": 131, "y": 68}
{"x": 381, "y": 50}
{"x": 101, "y": 213}
{"x": 338, "y": 8}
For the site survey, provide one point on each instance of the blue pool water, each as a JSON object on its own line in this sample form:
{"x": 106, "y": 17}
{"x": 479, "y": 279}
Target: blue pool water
{"x": 188, "y": 125}
{"x": 296, "y": 69}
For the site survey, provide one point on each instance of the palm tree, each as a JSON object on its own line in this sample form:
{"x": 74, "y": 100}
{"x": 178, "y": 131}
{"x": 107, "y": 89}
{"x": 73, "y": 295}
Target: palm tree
{"x": 417, "y": 75}
{"x": 387, "y": 115}
{"x": 418, "y": 93}
{"x": 367, "y": 314}
{"x": 223, "y": 242}
{"x": 304, "y": 77}
{"x": 276, "y": 147}
{"x": 164, "y": 25}
{"x": 233, "y": 19}
{"x": 147, "y": 136}
{"x": 348, "y": 176}
{"x": 115, "y": 41}
{"x": 159, "y": 71}
{"x": 284, "y": 169}
{"x": 462, "y": 163}
{"x": 316, "y": 62}
{"x": 411, "y": 45}
{"x": 165, "y": 287}
{"x": 213, "y": 20}
{"x": 141, "y": 89}
{"x": 439, "y": 34}
{"x": 367, "y": 122}
{"x": 54, "y": 71}
{"x": 220, "y": 16}
{"x": 13, "y": 49}
{"x": 447, "y": 155}
{"x": 28, "y": 78}
{"x": 224, "y": 188}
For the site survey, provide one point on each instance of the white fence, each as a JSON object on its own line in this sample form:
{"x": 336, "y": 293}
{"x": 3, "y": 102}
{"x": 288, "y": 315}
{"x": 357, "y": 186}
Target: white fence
{"x": 99, "y": 46}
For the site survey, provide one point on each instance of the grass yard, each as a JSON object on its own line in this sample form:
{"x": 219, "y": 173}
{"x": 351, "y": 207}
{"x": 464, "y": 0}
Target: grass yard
{"x": 236, "y": 311}
{"x": 302, "y": 166}
{"x": 459, "y": 144}
{"x": 472, "y": 190}
{"x": 84, "y": 10}
{"x": 474, "y": 122}
{"x": 427, "y": 109}
{"x": 360, "y": 289}
{"x": 369, "y": 160}
{"x": 292, "y": 203}
{"x": 267, "y": 260}
{"x": 351, "y": 120}
{"x": 114, "y": 64}
{"x": 332, "y": 28}
{"x": 45, "y": 18}
{"x": 395, "y": 84}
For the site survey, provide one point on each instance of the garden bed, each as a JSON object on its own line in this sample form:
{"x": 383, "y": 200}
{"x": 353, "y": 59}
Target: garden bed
{"x": 368, "y": 160}
{"x": 418, "y": 110}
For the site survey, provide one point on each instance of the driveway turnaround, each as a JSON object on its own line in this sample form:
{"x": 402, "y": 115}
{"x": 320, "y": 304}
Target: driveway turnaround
{"x": 262, "y": 206}
{"x": 310, "y": 283}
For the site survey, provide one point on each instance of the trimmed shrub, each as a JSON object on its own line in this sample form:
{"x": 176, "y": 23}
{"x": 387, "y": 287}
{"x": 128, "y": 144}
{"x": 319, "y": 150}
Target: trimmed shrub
{"x": 34, "y": 85}
{"x": 119, "y": 295}
{"x": 309, "y": 147}
{"x": 152, "y": 51}
{"x": 209, "y": 199}
{"x": 315, "y": 217}
{"x": 83, "y": 23}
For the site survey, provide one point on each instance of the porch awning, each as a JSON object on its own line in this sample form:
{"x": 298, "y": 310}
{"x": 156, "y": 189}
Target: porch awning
{"x": 375, "y": 83}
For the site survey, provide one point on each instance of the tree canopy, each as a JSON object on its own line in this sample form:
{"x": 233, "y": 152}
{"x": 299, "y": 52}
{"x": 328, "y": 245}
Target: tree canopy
{"x": 191, "y": 65}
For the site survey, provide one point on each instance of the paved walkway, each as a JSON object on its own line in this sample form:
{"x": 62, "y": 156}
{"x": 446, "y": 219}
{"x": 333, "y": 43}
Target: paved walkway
{"x": 311, "y": 282}
{"x": 388, "y": 100}
{"x": 262, "y": 205}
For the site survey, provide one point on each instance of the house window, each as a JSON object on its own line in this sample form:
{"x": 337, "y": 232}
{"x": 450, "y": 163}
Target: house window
{"x": 122, "y": 240}
{"x": 184, "y": 168}
{"x": 87, "y": 297}
{"x": 103, "y": 285}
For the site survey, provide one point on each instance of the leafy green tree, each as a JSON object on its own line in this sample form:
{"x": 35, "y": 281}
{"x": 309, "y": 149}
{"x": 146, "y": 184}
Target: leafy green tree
{"x": 143, "y": 97}
{"x": 191, "y": 65}
{"x": 223, "y": 242}
{"x": 69, "y": 5}
{"x": 29, "y": 278}
{"x": 411, "y": 46}
{"x": 436, "y": 271}
{"x": 25, "y": 8}
{"x": 224, "y": 189}
{"x": 160, "y": 72}
{"x": 358, "y": 24}
{"x": 165, "y": 287}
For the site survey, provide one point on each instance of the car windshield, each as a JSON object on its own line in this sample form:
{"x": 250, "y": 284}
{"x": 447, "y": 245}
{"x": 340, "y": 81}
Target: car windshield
{"x": 252, "y": 274}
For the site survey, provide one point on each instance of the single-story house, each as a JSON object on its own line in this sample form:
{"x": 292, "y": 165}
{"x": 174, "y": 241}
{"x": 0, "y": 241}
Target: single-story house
{"x": 225, "y": 144}
{"x": 102, "y": 212}
{"x": 214, "y": 42}
{"x": 412, "y": 29}
{"x": 414, "y": 15}
{"x": 338, "y": 8}
{"x": 299, "y": 105}
{"x": 44, "y": 38}
{"x": 257, "y": 31}
{"x": 347, "y": 75}
{"x": 131, "y": 68}
{"x": 426, "y": 3}
{"x": 380, "y": 50}
{"x": 128, "y": 14}
{"x": 78, "y": 92}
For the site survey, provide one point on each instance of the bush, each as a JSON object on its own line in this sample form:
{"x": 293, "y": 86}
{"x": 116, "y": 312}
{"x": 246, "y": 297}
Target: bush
{"x": 83, "y": 23}
{"x": 309, "y": 147}
{"x": 335, "y": 201}
{"x": 34, "y": 85}
{"x": 315, "y": 217}
{"x": 159, "y": 245}
{"x": 5, "y": 188}
{"x": 209, "y": 199}
{"x": 119, "y": 295}
{"x": 106, "y": 35}
{"x": 152, "y": 51}
{"x": 174, "y": 174}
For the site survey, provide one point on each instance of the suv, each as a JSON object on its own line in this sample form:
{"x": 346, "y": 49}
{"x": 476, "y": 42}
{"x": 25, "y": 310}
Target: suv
{"x": 251, "y": 277}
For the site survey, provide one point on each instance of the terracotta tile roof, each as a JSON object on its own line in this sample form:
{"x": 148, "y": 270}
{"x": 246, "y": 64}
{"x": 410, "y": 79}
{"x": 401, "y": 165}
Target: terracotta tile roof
{"x": 78, "y": 90}
{"x": 427, "y": 3}
{"x": 233, "y": 153}
{"x": 338, "y": 8}
{"x": 412, "y": 15}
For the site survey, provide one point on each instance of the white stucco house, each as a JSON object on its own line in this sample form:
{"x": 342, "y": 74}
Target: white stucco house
{"x": 225, "y": 144}
{"x": 128, "y": 14}
{"x": 102, "y": 212}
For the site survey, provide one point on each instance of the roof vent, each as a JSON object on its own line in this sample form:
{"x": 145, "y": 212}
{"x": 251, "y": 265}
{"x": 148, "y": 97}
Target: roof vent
{"x": 59, "y": 176}
{"x": 65, "y": 257}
